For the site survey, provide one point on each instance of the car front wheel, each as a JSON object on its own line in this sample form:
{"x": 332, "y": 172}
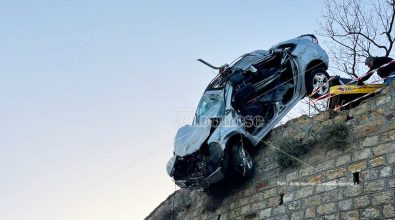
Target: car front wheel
{"x": 242, "y": 162}
{"x": 317, "y": 83}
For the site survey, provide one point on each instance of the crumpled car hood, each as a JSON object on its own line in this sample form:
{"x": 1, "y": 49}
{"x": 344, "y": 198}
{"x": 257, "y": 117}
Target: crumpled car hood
{"x": 189, "y": 139}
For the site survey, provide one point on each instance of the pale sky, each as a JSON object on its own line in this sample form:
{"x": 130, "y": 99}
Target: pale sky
{"x": 89, "y": 92}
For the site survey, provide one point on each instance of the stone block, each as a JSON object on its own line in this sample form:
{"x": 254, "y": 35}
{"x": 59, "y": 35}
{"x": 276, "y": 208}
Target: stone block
{"x": 251, "y": 216}
{"x": 307, "y": 171}
{"x": 280, "y": 217}
{"x": 274, "y": 201}
{"x": 362, "y": 119}
{"x": 282, "y": 189}
{"x": 243, "y": 201}
{"x": 362, "y": 154}
{"x": 383, "y": 100}
{"x": 332, "y": 196}
{"x": 351, "y": 215}
{"x": 257, "y": 197}
{"x": 361, "y": 201}
{"x": 359, "y": 110}
{"x": 389, "y": 211}
{"x": 377, "y": 112}
{"x": 369, "y": 128}
{"x": 270, "y": 193}
{"x": 335, "y": 173}
{"x": 235, "y": 213}
{"x": 316, "y": 179}
{"x": 312, "y": 200}
{"x": 373, "y": 186}
{"x": 250, "y": 189}
{"x": 345, "y": 205}
{"x": 270, "y": 166}
{"x": 378, "y": 161}
{"x": 326, "y": 208}
{"x": 334, "y": 216}
{"x": 304, "y": 192}
{"x": 382, "y": 198}
{"x": 384, "y": 149}
{"x": 343, "y": 159}
{"x": 322, "y": 116}
{"x": 390, "y": 158}
{"x": 385, "y": 171}
{"x": 310, "y": 212}
{"x": 333, "y": 153}
{"x": 370, "y": 141}
{"x": 233, "y": 204}
{"x": 316, "y": 159}
{"x": 291, "y": 176}
{"x": 370, "y": 174}
{"x": 351, "y": 191}
{"x": 325, "y": 165}
{"x": 266, "y": 213}
{"x": 245, "y": 209}
{"x": 279, "y": 210}
{"x": 262, "y": 186}
{"x": 271, "y": 173}
{"x": 297, "y": 215}
{"x": 386, "y": 136}
{"x": 370, "y": 213}
{"x": 258, "y": 206}
{"x": 357, "y": 167}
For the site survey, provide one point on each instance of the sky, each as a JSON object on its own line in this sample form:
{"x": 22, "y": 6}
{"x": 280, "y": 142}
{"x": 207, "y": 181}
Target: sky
{"x": 90, "y": 90}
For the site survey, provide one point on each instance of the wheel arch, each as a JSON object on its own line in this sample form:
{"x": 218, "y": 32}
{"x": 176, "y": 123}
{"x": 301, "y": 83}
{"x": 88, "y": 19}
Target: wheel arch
{"x": 236, "y": 137}
{"x": 316, "y": 64}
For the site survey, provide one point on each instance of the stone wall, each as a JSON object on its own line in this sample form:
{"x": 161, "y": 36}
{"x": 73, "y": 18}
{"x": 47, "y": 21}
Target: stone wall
{"x": 325, "y": 183}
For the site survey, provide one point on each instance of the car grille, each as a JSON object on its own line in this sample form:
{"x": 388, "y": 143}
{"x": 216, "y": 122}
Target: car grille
{"x": 190, "y": 166}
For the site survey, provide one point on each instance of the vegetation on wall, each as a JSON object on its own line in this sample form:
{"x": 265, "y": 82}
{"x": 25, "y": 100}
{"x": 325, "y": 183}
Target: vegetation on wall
{"x": 289, "y": 150}
{"x": 336, "y": 134}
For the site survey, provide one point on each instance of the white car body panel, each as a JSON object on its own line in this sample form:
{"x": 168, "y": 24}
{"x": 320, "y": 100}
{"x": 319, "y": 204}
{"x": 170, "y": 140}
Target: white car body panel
{"x": 190, "y": 138}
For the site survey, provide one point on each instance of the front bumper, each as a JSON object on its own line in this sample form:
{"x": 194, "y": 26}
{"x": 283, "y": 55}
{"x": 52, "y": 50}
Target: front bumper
{"x": 201, "y": 182}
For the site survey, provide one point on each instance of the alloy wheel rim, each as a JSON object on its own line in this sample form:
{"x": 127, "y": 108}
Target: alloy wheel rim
{"x": 246, "y": 159}
{"x": 320, "y": 82}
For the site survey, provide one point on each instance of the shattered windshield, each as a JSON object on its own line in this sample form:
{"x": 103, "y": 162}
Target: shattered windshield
{"x": 249, "y": 59}
{"x": 212, "y": 105}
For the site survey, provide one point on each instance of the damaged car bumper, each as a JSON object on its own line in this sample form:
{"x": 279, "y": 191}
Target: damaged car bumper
{"x": 201, "y": 182}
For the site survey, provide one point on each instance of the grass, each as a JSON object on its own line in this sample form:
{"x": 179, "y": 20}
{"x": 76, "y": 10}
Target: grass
{"x": 336, "y": 135}
{"x": 289, "y": 150}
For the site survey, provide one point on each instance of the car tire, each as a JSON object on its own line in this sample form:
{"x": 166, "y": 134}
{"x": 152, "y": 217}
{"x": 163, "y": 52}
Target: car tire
{"x": 242, "y": 163}
{"x": 317, "y": 78}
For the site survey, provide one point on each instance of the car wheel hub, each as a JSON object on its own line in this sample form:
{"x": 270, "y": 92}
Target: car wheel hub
{"x": 320, "y": 84}
{"x": 246, "y": 159}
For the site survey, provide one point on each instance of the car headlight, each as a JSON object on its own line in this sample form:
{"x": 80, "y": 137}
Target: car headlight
{"x": 170, "y": 166}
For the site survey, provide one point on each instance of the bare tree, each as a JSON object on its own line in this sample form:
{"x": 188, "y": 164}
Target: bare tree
{"x": 357, "y": 29}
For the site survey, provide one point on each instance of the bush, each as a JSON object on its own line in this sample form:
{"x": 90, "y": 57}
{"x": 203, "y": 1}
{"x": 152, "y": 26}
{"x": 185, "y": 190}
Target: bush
{"x": 336, "y": 134}
{"x": 288, "y": 150}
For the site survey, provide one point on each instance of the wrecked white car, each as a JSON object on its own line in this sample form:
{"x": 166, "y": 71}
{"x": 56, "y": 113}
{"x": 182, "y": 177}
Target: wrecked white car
{"x": 241, "y": 105}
